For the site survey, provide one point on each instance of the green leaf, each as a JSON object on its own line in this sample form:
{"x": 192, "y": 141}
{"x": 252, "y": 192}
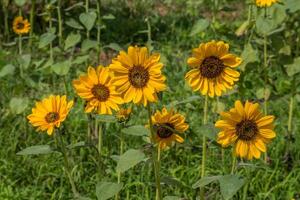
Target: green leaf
{"x": 88, "y": 44}
{"x": 72, "y": 40}
{"x": 74, "y": 24}
{"x": 38, "y": 149}
{"x": 109, "y": 16}
{"x": 46, "y": 39}
{"x": 61, "y": 68}
{"x": 249, "y": 55}
{"x": 209, "y": 130}
{"x": 106, "y": 190}
{"x": 265, "y": 25}
{"x": 263, "y": 93}
{"x": 7, "y": 70}
{"x": 114, "y": 46}
{"x": 137, "y": 130}
{"x": 88, "y": 19}
{"x": 230, "y": 184}
{"x": 78, "y": 144}
{"x": 20, "y": 3}
{"x": 293, "y": 68}
{"x": 199, "y": 26}
{"x": 18, "y": 105}
{"x": 205, "y": 181}
{"x": 80, "y": 59}
{"x": 292, "y": 5}
{"x": 172, "y": 198}
{"x": 25, "y": 61}
{"x": 129, "y": 159}
{"x": 106, "y": 118}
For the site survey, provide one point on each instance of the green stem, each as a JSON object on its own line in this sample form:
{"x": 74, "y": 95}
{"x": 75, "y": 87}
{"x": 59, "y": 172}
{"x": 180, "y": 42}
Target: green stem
{"x": 99, "y": 139}
{"x": 203, "y": 163}
{"x": 233, "y": 163}
{"x": 32, "y": 14}
{"x": 5, "y": 12}
{"x": 266, "y": 76}
{"x": 87, "y": 10}
{"x": 20, "y": 44}
{"x": 99, "y": 30}
{"x": 59, "y": 22}
{"x": 67, "y": 165}
{"x": 121, "y": 152}
{"x": 291, "y": 107}
{"x": 158, "y": 193}
{"x": 155, "y": 161}
{"x": 50, "y": 29}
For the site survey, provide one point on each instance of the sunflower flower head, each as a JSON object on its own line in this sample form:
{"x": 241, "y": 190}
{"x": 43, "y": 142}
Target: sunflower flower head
{"x": 245, "y": 127}
{"x": 138, "y": 76}
{"x": 21, "y": 26}
{"x": 50, "y": 113}
{"x": 97, "y": 88}
{"x": 167, "y": 126}
{"x": 123, "y": 114}
{"x": 212, "y": 68}
{"x": 265, "y": 3}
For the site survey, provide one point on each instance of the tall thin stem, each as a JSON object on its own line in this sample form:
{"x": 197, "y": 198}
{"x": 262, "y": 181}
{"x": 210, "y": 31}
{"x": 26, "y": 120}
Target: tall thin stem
{"x": 121, "y": 152}
{"x": 266, "y": 76}
{"x": 32, "y": 14}
{"x": 203, "y": 163}
{"x": 155, "y": 160}
{"x": 50, "y": 29}
{"x": 87, "y": 10}
{"x": 99, "y": 30}
{"x": 59, "y": 23}
{"x": 233, "y": 163}
{"x": 67, "y": 164}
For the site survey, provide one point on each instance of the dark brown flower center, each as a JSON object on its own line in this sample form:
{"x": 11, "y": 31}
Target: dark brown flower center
{"x": 138, "y": 76}
{"x": 211, "y": 67}
{"x": 101, "y": 92}
{"x": 52, "y": 117}
{"x": 20, "y": 25}
{"x": 164, "y": 130}
{"x": 246, "y": 130}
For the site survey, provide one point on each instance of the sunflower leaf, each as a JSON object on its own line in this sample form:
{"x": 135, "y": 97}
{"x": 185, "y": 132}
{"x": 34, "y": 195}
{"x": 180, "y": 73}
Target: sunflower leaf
{"x": 18, "y": 105}
{"x": 88, "y": 19}
{"x": 107, "y": 118}
{"x": 37, "y": 149}
{"x": 209, "y": 130}
{"x": 199, "y": 26}
{"x": 106, "y": 190}
{"x": 293, "y": 68}
{"x": 230, "y": 184}
{"x": 72, "y": 40}
{"x": 46, "y": 39}
{"x": 205, "y": 181}
{"x": 137, "y": 130}
{"x": 129, "y": 159}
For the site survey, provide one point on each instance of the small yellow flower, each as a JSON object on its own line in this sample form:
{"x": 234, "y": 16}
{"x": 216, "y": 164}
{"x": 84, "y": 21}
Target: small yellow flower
{"x": 137, "y": 75}
{"x": 265, "y": 3}
{"x": 50, "y": 113}
{"x": 21, "y": 26}
{"x": 98, "y": 90}
{"x": 247, "y": 129}
{"x": 212, "y": 68}
{"x": 166, "y": 125}
{"x": 123, "y": 114}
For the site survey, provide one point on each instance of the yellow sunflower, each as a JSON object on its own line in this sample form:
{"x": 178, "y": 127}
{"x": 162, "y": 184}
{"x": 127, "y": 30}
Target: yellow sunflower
{"x": 137, "y": 75}
{"x": 97, "y": 89}
{"x": 166, "y": 125}
{"x": 212, "y": 68}
{"x": 247, "y": 129}
{"x": 265, "y": 3}
{"x": 123, "y": 114}
{"x": 49, "y": 113}
{"x": 21, "y": 26}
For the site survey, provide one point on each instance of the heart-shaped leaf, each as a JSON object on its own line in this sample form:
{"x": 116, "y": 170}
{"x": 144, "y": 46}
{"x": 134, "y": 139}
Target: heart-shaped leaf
{"x": 88, "y": 19}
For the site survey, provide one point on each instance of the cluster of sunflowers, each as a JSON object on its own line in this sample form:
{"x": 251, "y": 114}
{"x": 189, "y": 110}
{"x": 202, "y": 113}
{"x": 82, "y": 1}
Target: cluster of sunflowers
{"x": 136, "y": 77}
